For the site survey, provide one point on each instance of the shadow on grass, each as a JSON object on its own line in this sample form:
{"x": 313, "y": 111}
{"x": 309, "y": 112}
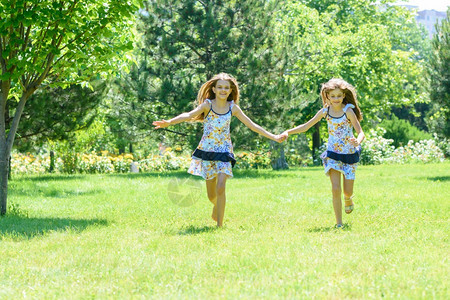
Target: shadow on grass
{"x": 237, "y": 173}
{"x": 197, "y": 230}
{"x": 439, "y": 178}
{"x": 22, "y": 227}
{"x": 347, "y": 227}
{"x": 51, "y": 192}
{"x": 47, "y": 177}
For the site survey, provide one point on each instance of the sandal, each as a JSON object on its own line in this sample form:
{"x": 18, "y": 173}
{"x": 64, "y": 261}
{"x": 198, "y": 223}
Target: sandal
{"x": 339, "y": 226}
{"x": 349, "y": 205}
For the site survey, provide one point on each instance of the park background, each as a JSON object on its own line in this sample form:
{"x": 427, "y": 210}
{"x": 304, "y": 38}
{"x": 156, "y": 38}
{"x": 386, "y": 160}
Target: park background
{"x": 280, "y": 55}
{"x": 82, "y": 82}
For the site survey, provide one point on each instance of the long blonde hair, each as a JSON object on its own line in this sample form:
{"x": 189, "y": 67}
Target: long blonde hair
{"x": 349, "y": 93}
{"x": 206, "y": 91}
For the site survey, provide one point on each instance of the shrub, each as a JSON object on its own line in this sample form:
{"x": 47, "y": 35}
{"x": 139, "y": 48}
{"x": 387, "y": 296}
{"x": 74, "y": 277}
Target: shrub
{"x": 377, "y": 150}
{"x": 401, "y": 132}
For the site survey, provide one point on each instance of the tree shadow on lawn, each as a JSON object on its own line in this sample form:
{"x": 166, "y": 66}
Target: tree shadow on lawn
{"x": 23, "y": 227}
{"x": 51, "y": 192}
{"x": 47, "y": 177}
{"x": 240, "y": 173}
{"x": 197, "y": 230}
{"x": 438, "y": 178}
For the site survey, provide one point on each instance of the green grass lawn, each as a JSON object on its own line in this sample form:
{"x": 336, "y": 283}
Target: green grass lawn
{"x": 121, "y": 236}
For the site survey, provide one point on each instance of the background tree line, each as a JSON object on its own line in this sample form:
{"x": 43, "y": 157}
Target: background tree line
{"x": 279, "y": 52}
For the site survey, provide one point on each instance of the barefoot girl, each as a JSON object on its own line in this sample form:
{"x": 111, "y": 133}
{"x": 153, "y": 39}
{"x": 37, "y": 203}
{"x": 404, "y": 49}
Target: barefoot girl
{"x": 217, "y": 101}
{"x": 342, "y": 114}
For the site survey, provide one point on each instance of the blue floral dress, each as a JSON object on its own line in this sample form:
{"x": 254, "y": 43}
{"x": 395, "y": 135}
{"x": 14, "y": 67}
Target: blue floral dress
{"x": 340, "y": 154}
{"x": 214, "y": 153}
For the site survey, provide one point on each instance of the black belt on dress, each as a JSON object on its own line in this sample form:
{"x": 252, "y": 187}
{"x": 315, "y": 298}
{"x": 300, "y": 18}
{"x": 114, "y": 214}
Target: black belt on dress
{"x": 352, "y": 158}
{"x": 220, "y": 156}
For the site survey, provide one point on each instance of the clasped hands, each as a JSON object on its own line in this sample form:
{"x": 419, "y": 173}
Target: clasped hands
{"x": 281, "y": 137}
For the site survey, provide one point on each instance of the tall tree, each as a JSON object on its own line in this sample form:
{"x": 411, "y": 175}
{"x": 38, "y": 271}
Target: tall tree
{"x": 65, "y": 41}
{"x": 189, "y": 41}
{"x": 439, "y": 74}
{"x": 53, "y": 113}
{"x": 352, "y": 40}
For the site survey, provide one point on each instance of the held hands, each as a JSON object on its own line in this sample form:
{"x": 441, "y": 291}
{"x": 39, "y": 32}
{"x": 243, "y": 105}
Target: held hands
{"x": 278, "y": 138}
{"x": 161, "y": 124}
{"x": 281, "y": 137}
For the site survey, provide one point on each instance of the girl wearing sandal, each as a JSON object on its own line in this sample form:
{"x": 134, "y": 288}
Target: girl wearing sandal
{"x": 342, "y": 113}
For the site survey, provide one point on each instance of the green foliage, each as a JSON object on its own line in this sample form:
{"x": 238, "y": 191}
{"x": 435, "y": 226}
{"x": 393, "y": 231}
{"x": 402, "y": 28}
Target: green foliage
{"x": 439, "y": 73}
{"x": 377, "y": 149}
{"x": 58, "y": 40}
{"x": 401, "y": 131}
{"x": 186, "y": 42}
{"x": 56, "y": 43}
{"x": 353, "y": 40}
{"x": 55, "y": 113}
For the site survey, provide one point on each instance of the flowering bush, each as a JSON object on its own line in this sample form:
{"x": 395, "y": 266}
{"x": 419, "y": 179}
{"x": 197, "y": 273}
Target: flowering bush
{"x": 378, "y": 150}
{"x": 165, "y": 162}
{"x": 93, "y": 163}
{"x": 252, "y": 160}
{"x": 30, "y": 164}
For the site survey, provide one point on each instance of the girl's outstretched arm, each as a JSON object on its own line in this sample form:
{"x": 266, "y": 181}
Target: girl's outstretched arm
{"x": 236, "y": 110}
{"x": 360, "y": 138}
{"x": 304, "y": 127}
{"x": 204, "y": 107}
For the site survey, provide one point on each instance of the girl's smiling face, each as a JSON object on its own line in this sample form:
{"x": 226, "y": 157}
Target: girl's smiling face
{"x": 335, "y": 97}
{"x": 222, "y": 89}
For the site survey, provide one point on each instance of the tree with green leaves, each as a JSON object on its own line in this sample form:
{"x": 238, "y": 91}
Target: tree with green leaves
{"x": 439, "y": 75}
{"x": 57, "y": 42}
{"x": 187, "y": 42}
{"x": 351, "y": 40}
{"x": 54, "y": 113}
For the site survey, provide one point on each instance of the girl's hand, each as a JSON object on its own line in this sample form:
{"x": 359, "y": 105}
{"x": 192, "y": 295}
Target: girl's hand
{"x": 161, "y": 124}
{"x": 280, "y": 138}
{"x": 354, "y": 142}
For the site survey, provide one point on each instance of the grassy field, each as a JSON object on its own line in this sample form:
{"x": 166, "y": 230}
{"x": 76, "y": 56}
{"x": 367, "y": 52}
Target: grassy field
{"x": 121, "y": 236}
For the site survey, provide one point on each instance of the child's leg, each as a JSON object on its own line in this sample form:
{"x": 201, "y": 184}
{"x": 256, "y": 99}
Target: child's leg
{"x": 211, "y": 186}
{"x": 221, "y": 199}
{"x": 348, "y": 193}
{"x": 335, "y": 178}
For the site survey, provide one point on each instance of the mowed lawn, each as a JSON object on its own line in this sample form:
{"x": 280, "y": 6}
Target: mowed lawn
{"x": 123, "y": 236}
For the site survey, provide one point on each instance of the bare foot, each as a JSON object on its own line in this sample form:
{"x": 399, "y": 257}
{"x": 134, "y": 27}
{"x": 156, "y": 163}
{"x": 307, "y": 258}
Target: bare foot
{"x": 214, "y": 213}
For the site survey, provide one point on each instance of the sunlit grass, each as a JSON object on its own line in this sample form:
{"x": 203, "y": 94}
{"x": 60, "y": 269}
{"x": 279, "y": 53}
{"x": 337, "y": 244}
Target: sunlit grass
{"x": 122, "y": 236}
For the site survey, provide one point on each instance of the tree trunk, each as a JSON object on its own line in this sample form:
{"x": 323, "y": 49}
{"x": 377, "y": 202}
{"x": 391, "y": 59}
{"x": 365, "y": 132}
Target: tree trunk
{"x": 6, "y": 144}
{"x": 316, "y": 143}
{"x": 52, "y": 162}
{"x": 3, "y": 182}
{"x": 278, "y": 159}
{"x": 9, "y": 168}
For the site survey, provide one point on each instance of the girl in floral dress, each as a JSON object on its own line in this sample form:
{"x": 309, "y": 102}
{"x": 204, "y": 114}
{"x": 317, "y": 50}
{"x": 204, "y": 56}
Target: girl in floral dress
{"x": 217, "y": 101}
{"x": 342, "y": 113}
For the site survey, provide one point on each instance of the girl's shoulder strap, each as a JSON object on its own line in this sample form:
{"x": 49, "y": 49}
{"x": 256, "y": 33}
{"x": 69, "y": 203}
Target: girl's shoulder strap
{"x": 347, "y": 106}
{"x": 210, "y": 107}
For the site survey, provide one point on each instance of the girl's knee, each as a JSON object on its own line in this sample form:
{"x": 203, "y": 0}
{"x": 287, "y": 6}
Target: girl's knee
{"x": 336, "y": 189}
{"x": 221, "y": 187}
{"x": 212, "y": 195}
